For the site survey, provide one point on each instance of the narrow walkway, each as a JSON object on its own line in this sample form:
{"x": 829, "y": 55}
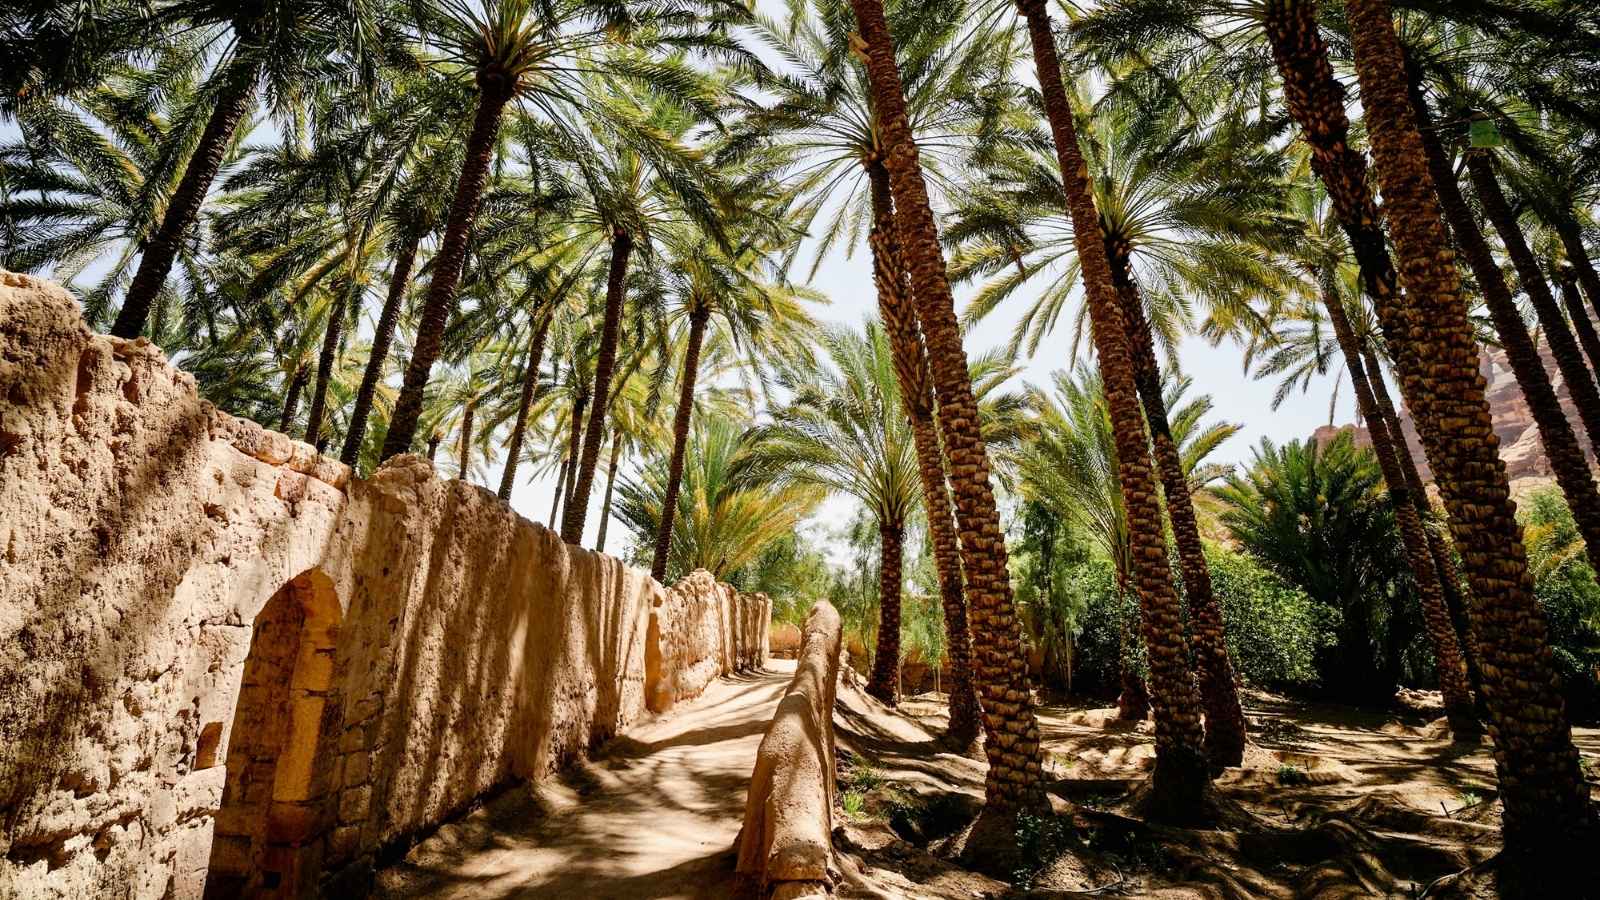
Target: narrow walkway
{"x": 654, "y": 815}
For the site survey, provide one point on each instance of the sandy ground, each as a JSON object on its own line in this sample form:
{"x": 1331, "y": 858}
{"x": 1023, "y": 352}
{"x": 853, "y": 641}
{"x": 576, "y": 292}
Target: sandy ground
{"x": 654, "y": 814}
{"x": 1331, "y": 802}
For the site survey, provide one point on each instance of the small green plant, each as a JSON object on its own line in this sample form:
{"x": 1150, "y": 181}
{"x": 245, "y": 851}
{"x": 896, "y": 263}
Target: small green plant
{"x": 861, "y": 777}
{"x": 1040, "y": 840}
{"x": 854, "y": 804}
{"x": 1291, "y": 774}
{"x": 1468, "y": 798}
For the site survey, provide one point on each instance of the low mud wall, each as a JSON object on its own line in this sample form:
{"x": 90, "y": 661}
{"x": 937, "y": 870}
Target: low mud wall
{"x": 223, "y": 658}
{"x": 785, "y": 846}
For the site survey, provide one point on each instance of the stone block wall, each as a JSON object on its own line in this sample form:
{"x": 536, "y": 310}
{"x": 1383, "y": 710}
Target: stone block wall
{"x": 222, "y": 656}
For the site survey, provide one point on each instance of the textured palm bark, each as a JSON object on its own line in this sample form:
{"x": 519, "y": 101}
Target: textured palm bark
{"x": 161, "y": 249}
{"x": 1561, "y": 444}
{"x": 433, "y": 445}
{"x": 331, "y": 336}
{"x": 1578, "y": 257}
{"x": 886, "y": 659}
{"x": 1000, "y": 667}
{"x": 1563, "y": 346}
{"x": 519, "y": 427}
{"x": 494, "y": 92}
{"x": 382, "y": 340}
{"x": 1567, "y": 282}
{"x": 1224, "y": 723}
{"x": 1448, "y": 659}
{"x": 916, "y": 392}
{"x": 1546, "y": 802}
{"x": 291, "y": 398}
{"x": 561, "y": 486}
{"x": 1438, "y": 547}
{"x": 699, "y": 318}
{"x": 604, "y": 366}
{"x": 580, "y": 403}
{"x": 611, "y": 482}
{"x": 464, "y": 446}
{"x": 1181, "y": 774}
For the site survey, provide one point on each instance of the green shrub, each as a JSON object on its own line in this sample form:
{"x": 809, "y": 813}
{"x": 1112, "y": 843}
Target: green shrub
{"x": 1273, "y": 628}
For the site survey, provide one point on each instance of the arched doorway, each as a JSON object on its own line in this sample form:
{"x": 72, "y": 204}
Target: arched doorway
{"x": 277, "y": 801}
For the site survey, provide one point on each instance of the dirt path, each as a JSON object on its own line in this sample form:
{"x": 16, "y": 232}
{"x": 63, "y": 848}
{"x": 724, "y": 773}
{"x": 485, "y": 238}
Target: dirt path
{"x": 654, "y": 815}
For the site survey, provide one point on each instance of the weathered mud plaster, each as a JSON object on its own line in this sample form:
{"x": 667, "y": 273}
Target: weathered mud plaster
{"x": 219, "y": 653}
{"x": 786, "y": 845}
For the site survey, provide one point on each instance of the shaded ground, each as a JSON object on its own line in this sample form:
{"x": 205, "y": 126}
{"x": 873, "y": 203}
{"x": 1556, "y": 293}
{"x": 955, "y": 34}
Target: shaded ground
{"x": 654, "y": 814}
{"x": 1338, "y": 802}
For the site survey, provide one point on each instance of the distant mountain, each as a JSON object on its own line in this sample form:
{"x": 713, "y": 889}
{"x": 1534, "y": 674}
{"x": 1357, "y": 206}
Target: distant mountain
{"x": 1520, "y": 445}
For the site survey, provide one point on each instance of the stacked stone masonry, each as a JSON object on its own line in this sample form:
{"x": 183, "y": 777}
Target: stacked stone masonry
{"x": 223, "y": 657}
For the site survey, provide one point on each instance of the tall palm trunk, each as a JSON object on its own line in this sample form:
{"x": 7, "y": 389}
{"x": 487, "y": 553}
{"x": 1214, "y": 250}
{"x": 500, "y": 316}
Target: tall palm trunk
{"x": 464, "y": 449}
{"x": 159, "y": 252}
{"x": 1567, "y": 281}
{"x": 1448, "y": 661}
{"x": 1560, "y": 442}
{"x": 1563, "y": 346}
{"x": 611, "y": 482}
{"x": 519, "y": 428}
{"x": 699, "y": 318}
{"x": 291, "y": 397}
{"x": 1225, "y": 729}
{"x": 1566, "y": 227}
{"x": 494, "y": 92}
{"x": 1012, "y": 746}
{"x": 433, "y": 445}
{"x": 579, "y": 404}
{"x": 330, "y": 351}
{"x": 561, "y": 484}
{"x": 1438, "y": 546}
{"x": 916, "y": 392}
{"x": 605, "y": 364}
{"x": 382, "y": 338}
{"x": 1181, "y": 773}
{"x": 886, "y": 660}
{"x": 1546, "y": 802}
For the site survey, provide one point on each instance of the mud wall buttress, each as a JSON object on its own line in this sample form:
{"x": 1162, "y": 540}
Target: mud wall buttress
{"x": 431, "y": 644}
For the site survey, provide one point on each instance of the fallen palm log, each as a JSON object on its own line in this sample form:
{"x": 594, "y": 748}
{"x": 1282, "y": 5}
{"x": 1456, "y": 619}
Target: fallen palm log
{"x": 785, "y": 846}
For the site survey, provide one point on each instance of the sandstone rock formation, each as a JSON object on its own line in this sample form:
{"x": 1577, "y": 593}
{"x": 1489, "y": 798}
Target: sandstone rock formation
{"x": 786, "y": 844}
{"x": 1520, "y": 447}
{"x": 220, "y": 653}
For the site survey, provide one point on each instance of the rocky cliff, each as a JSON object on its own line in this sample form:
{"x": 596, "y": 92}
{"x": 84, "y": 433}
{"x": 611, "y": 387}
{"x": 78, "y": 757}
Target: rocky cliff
{"x": 1520, "y": 446}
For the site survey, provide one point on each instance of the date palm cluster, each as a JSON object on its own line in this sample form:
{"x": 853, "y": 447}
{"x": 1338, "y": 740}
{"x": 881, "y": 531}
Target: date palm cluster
{"x": 578, "y": 238}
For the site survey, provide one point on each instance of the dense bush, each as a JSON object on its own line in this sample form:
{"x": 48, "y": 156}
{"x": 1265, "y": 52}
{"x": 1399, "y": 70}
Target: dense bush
{"x": 1566, "y": 587}
{"x": 1318, "y": 516}
{"x": 1274, "y": 629}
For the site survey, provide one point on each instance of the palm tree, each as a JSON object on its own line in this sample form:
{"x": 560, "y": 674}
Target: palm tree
{"x": 1322, "y": 255}
{"x": 824, "y": 131}
{"x": 1174, "y": 223}
{"x": 846, "y": 431}
{"x": 89, "y": 179}
{"x": 1561, "y": 445}
{"x": 288, "y": 45}
{"x": 709, "y": 286}
{"x": 1012, "y": 746}
{"x": 1180, "y": 780}
{"x": 1069, "y": 466}
{"x": 553, "y": 56}
{"x": 1544, "y": 796}
{"x": 724, "y": 522}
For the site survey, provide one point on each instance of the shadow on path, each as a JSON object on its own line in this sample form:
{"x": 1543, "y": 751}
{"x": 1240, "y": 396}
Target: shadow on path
{"x": 653, "y": 814}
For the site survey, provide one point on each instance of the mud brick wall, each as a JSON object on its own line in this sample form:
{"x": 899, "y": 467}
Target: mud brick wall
{"x": 224, "y": 659}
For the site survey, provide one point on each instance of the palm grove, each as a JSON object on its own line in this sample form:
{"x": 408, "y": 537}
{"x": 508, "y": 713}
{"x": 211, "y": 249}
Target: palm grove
{"x": 572, "y": 240}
